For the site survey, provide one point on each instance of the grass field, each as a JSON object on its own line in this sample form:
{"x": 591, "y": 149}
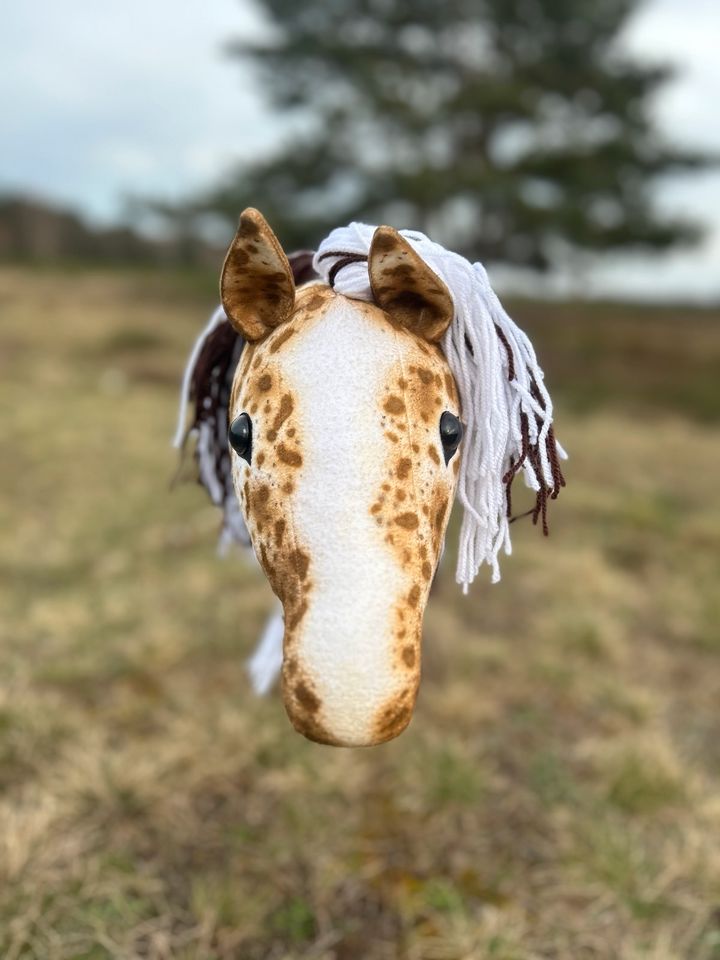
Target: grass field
{"x": 557, "y": 794}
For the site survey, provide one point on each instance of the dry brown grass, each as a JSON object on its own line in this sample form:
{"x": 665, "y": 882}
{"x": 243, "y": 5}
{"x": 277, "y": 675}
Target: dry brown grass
{"x": 556, "y": 795}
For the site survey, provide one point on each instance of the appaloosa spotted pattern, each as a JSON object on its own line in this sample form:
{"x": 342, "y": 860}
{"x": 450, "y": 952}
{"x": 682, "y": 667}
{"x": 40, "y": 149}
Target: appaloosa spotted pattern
{"x": 412, "y": 505}
{"x": 266, "y": 493}
{"x": 346, "y": 494}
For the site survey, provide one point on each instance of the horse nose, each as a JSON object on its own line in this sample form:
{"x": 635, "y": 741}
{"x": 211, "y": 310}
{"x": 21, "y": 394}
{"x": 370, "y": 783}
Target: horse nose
{"x": 349, "y": 685}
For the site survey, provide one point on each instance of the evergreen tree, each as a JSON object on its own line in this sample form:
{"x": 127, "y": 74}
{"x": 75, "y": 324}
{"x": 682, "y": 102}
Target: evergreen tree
{"x": 511, "y": 130}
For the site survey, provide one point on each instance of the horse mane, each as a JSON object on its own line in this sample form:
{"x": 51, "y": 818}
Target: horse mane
{"x": 506, "y": 407}
{"x": 206, "y": 388}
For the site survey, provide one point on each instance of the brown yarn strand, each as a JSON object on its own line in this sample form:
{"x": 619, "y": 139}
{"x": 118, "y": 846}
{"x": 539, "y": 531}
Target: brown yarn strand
{"x": 345, "y": 260}
{"x": 515, "y": 466}
{"x": 530, "y": 453}
{"x": 507, "y": 480}
{"x": 510, "y": 359}
{"x": 557, "y": 474}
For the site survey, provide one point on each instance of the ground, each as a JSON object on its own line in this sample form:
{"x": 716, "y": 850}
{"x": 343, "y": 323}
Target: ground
{"x": 557, "y": 793}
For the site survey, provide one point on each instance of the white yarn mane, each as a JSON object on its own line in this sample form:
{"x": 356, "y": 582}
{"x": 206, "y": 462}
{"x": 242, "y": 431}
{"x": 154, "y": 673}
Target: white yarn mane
{"x": 506, "y": 408}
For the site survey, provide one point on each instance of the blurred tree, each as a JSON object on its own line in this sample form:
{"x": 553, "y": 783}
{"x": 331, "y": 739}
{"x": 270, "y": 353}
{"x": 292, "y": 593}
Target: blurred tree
{"x": 512, "y": 130}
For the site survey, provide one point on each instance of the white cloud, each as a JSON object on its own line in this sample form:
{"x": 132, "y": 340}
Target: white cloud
{"x": 685, "y": 34}
{"x": 132, "y": 98}
{"x": 103, "y": 101}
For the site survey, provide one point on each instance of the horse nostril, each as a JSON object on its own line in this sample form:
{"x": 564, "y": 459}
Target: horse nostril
{"x": 451, "y": 433}
{"x": 240, "y": 436}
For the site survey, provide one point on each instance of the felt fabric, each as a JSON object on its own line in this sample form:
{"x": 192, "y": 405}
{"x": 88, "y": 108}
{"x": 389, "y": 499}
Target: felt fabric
{"x": 346, "y": 498}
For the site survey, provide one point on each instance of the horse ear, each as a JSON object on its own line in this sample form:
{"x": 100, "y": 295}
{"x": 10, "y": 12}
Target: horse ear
{"x": 405, "y": 286}
{"x": 256, "y": 286}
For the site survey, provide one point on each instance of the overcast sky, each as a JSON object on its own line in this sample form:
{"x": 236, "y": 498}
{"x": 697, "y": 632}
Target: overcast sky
{"x": 99, "y": 102}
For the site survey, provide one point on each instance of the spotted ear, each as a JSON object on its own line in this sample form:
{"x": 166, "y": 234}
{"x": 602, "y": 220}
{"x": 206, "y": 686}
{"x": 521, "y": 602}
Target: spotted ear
{"x": 256, "y": 286}
{"x": 405, "y": 286}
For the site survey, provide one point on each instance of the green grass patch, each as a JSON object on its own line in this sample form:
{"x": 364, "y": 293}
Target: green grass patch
{"x": 642, "y": 785}
{"x": 557, "y": 790}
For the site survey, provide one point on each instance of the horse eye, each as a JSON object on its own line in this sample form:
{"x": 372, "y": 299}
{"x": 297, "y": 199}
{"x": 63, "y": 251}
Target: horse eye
{"x": 451, "y": 433}
{"x": 240, "y": 436}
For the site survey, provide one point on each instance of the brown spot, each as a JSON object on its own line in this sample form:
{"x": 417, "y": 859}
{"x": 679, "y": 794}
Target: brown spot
{"x": 309, "y": 726}
{"x": 264, "y": 382}
{"x": 414, "y": 596}
{"x": 281, "y": 338}
{"x": 288, "y": 486}
{"x": 376, "y": 508}
{"x": 250, "y": 229}
{"x": 426, "y": 570}
{"x": 291, "y": 457}
{"x": 434, "y": 455}
{"x": 257, "y": 500}
{"x": 403, "y": 468}
{"x": 409, "y": 656}
{"x": 408, "y": 521}
{"x": 383, "y": 243}
{"x": 292, "y": 621}
{"x": 425, "y": 375}
{"x": 394, "y": 405}
{"x": 306, "y": 698}
{"x": 316, "y": 301}
{"x": 400, "y": 494}
{"x": 392, "y": 437}
{"x": 301, "y": 562}
{"x": 261, "y": 495}
{"x": 402, "y": 272}
{"x": 260, "y": 458}
{"x": 279, "y": 531}
{"x": 284, "y": 410}
{"x": 391, "y": 721}
{"x": 449, "y": 384}
{"x": 440, "y": 516}
{"x": 402, "y": 383}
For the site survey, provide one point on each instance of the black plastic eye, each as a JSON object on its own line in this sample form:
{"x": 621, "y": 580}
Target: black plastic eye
{"x": 240, "y": 436}
{"x": 451, "y": 433}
